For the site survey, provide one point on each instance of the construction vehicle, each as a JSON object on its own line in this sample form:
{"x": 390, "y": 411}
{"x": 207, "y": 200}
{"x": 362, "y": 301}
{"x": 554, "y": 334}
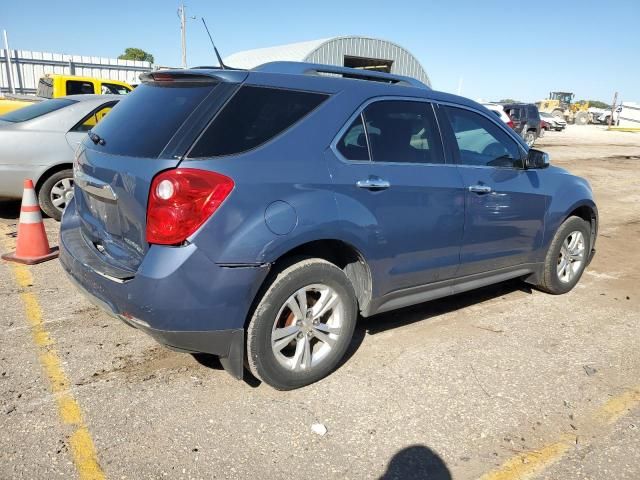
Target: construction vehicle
{"x": 561, "y": 105}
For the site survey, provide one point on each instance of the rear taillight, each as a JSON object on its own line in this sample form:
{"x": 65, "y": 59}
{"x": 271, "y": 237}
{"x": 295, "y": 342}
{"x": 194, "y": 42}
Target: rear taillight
{"x": 510, "y": 123}
{"x": 181, "y": 200}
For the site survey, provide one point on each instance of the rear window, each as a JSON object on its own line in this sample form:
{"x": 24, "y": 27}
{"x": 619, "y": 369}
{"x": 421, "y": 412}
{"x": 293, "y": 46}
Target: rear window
{"x": 533, "y": 112}
{"x": 144, "y": 122}
{"x": 36, "y": 110}
{"x": 252, "y": 117}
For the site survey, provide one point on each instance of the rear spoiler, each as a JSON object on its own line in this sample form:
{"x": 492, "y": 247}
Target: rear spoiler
{"x": 194, "y": 76}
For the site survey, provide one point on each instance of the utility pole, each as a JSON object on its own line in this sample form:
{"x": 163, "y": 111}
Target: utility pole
{"x": 9, "y": 67}
{"x": 613, "y": 107}
{"x": 183, "y": 33}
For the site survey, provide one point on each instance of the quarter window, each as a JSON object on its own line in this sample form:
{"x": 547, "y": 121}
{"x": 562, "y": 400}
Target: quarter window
{"x": 481, "y": 142}
{"x": 252, "y": 117}
{"x": 91, "y": 120}
{"x": 353, "y": 144}
{"x": 403, "y": 131}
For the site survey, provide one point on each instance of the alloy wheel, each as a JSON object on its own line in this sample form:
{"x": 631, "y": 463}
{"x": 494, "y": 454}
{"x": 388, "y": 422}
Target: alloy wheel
{"x": 571, "y": 256}
{"x": 307, "y": 327}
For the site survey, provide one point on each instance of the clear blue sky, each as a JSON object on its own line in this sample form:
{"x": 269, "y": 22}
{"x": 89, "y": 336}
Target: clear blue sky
{"x": 501, "y": 49}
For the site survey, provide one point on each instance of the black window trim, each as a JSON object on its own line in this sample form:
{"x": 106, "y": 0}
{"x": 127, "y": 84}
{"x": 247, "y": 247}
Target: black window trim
{"x": 511, "y": 134}
{"x": 360, "y": 112}
{"x": 92, "y": 112}
{"x": 188, "y": 156}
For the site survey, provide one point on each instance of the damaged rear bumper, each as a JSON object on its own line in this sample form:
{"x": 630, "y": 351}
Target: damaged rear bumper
{"x": 178, "y": 296}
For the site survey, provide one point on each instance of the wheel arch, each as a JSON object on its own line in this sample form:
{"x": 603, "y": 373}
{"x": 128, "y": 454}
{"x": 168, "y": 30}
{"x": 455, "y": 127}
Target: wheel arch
{"x": 50, "y": 171}
{"x": 342, "y": 254}
{"x": 589, "y": 213}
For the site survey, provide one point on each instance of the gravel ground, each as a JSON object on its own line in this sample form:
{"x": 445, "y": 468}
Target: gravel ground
{"x": 448, "y": 389}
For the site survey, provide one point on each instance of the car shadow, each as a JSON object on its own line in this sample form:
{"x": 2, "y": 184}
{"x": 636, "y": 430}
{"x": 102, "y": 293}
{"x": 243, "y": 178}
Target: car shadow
{"x": 426, "y": 311}
{"x": 9, "y": 209}
{"x": 383, "y": 322}
{"x": 416, "y": 462}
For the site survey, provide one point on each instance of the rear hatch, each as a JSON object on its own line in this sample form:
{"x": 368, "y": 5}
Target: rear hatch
{"x": 147, "y": 132}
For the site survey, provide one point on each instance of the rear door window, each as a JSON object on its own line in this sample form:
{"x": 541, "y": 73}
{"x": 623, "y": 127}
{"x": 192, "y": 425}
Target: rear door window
{"x": 144, "y": 121}
{"x": 36, "y": 110}
{"x": 252, "y": 117}
{"x": 403, "y": 131}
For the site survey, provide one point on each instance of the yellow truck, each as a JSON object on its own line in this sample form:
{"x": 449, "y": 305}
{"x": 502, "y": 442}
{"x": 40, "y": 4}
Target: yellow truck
{"x": 56, "y": 85}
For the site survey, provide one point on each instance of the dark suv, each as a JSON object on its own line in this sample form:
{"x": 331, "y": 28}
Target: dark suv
{"x": 255, "y": 214}
{"x": 526, "y": 120}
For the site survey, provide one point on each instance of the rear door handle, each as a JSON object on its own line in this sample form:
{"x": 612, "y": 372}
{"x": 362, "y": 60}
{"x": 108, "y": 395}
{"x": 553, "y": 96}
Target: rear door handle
{"x": 481, "y": 189}
{"x": 373, "y": 183}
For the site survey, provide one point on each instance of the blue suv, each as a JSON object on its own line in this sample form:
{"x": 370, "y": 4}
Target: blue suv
{"x": 254, "y": 215}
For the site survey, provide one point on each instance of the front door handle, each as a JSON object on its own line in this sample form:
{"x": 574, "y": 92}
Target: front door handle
{"x": 373, "y": 183}
{"x": 480, "y": 189}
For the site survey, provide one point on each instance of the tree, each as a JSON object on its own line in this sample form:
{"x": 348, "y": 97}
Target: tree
{"x": 136, "y": 54}
{"x": 508, "y": 100}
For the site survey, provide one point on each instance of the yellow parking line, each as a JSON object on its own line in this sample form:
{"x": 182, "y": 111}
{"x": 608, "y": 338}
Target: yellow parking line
{"x": 527, "y": 464}
{"x": 80, "y": 442}
{"x": 616, "y": 407}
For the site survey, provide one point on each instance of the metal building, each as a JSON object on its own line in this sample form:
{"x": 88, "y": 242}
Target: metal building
{"x": 20, "y": 70}
{"x": 352, "y": 51}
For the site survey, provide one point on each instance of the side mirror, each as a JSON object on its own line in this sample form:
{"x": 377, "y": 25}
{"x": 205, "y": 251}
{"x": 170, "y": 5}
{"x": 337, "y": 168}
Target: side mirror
{"x": 536, "y": 159}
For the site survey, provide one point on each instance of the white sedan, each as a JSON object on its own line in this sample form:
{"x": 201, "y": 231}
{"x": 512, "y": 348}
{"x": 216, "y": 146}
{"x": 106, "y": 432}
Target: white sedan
{"x": 555, "y": 123}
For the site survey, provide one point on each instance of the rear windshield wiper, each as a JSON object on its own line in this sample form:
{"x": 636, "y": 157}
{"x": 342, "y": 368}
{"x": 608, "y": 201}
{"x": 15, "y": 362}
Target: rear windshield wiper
{"x": 96, "y": 139}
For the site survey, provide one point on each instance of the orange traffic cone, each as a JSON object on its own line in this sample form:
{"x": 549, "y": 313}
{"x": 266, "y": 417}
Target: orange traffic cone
{"x": 33, "y": 246}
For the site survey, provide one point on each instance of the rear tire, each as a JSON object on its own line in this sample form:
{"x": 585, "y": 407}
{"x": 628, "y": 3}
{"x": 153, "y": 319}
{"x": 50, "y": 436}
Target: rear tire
{"x": 558, "y": 114}
{"x": 303, "y": 325}
{"x": 567, "y": 256}
{"x": 530, "y": 137}
{"x": 55, "y": 192}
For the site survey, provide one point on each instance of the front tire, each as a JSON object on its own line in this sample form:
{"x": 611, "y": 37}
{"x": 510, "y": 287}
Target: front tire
{"x": 303, "y": 325}
{"x": 567, "y": 256}
{"x": 55, "y": 193}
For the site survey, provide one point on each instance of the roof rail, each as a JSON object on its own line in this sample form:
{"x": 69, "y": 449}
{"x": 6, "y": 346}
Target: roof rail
{"x": 302, "y": 68}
